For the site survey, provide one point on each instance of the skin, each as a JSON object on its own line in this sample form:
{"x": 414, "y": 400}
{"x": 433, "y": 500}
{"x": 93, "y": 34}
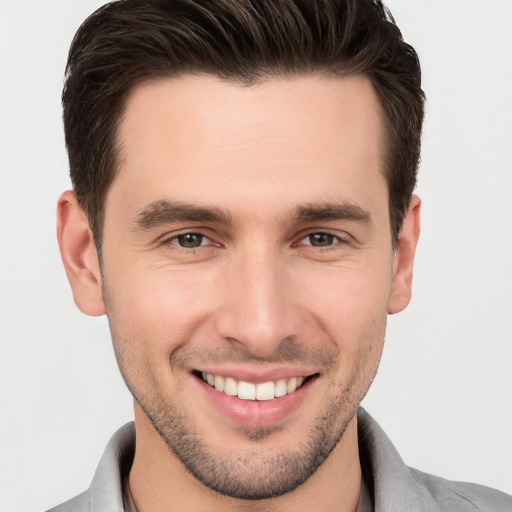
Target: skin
{"x": 257, "y": 295}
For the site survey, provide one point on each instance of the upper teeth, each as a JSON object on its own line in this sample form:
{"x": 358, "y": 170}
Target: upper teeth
{"x": 249, "y": 391}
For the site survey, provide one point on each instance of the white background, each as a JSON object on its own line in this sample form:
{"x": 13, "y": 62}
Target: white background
{"x": 444, "y": 391}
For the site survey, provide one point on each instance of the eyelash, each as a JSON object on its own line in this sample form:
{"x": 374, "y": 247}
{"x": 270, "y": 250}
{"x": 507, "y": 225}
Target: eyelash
{"x": 172, "y": 240}
{"x": 337, "y": 240}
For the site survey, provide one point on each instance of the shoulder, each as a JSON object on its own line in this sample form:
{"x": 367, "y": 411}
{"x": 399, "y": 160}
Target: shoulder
{"x": 79, "y": 503}
{"x": 106, "y": 490}
{"x": 399, "y": 488}
{"x": 462, "y": 496}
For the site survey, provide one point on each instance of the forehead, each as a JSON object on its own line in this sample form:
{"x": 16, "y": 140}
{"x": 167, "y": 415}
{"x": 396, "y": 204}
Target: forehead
{"x": 202, "y": 136}
{"x": 313, "y": 107}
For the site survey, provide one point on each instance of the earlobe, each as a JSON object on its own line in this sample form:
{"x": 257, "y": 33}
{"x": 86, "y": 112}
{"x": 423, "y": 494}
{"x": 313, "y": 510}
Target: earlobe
{"x": 79, "y": 255}
{"x": 403, "y": 259}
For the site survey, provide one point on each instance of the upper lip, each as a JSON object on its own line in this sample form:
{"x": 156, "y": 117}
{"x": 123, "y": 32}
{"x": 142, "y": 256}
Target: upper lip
{"x": 257, "y": 375}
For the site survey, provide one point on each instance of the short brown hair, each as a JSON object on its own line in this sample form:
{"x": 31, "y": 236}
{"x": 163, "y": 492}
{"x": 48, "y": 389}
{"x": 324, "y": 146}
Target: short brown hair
{"x": 128, "y": 42}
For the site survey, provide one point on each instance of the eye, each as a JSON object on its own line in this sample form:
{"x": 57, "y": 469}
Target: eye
{"x": 189, "y": 240}
{"x": 320, "y": 239}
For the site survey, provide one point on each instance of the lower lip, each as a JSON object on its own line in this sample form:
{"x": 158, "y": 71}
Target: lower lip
{"x": 253, "y": 413}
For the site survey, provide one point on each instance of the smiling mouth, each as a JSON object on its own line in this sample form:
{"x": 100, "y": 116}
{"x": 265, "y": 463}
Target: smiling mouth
{"x": 263, "y": 391}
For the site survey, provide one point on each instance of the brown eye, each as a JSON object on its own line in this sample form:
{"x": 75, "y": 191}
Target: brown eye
{"x": 189, "y": 240}
{"x": 320, "y": 239}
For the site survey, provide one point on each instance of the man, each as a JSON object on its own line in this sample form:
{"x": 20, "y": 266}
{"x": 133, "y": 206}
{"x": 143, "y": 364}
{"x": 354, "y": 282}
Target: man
{"x": 243, "y": 213}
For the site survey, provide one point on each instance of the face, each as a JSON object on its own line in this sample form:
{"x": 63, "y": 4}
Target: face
{"x": 248, "y": 269}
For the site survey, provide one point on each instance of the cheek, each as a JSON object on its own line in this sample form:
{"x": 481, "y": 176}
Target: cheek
{"x": 348, "y": 299}
{"x": 155, "y": 311}
{"x": 350, "y": 307}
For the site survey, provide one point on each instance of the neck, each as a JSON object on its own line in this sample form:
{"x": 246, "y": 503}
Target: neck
{"x": 160, "y": 482}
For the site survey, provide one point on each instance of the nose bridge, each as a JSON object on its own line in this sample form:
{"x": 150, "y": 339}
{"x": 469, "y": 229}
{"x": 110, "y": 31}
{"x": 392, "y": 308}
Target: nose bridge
{"x": 258, "y": 309}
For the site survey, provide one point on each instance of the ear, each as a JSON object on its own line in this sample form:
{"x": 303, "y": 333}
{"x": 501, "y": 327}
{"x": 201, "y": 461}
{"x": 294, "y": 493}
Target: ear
{"x": 403, "y": 259}
{"x": 79, "y": 255}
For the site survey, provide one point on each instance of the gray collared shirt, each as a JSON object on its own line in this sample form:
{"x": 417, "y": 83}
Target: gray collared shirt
{"x": 392, "y": 485}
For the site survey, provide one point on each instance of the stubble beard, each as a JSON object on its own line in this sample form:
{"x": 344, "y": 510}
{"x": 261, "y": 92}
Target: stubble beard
{"x": 256, "y": 475}
{"x": 252, "y": 476}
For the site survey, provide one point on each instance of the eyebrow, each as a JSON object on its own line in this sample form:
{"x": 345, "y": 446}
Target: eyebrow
{"x": 332, "y": 212}
{"x": 165, "y": 211}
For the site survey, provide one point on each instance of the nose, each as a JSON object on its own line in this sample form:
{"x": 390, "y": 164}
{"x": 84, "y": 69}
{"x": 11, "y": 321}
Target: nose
{"x": 257, "y": 308}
